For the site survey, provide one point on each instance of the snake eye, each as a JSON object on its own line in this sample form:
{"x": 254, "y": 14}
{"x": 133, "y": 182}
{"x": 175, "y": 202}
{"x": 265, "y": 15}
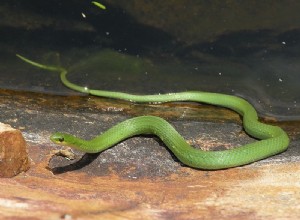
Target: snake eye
{"x": 61, "y": 139}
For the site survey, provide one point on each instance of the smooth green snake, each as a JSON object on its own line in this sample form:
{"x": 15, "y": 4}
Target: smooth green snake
{"x": 273, "y": 139}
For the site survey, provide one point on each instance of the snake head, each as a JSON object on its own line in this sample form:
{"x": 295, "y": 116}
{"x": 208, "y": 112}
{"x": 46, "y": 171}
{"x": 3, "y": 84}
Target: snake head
{"x": 59, "y": 138}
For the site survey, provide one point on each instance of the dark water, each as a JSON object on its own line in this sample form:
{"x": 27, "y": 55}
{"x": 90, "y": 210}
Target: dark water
{"x": 143, "y": 47}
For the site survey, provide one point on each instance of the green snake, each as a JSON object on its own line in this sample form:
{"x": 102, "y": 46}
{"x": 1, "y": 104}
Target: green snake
{"x": 272, "y": 139}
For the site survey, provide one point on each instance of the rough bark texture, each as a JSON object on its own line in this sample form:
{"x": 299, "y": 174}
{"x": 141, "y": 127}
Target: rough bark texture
{"x": 13, "y": 152}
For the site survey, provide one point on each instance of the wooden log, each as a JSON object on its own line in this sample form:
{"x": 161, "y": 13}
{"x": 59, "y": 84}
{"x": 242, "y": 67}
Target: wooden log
{"x": 13, "y": 152}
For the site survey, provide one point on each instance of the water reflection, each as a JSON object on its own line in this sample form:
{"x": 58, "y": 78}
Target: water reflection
{"x": 114, "y": 50}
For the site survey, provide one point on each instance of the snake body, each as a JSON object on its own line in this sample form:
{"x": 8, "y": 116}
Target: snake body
{"x": 273, "y": 139}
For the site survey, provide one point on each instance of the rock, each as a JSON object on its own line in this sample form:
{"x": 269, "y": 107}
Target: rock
{"x": 13, "y": 152}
